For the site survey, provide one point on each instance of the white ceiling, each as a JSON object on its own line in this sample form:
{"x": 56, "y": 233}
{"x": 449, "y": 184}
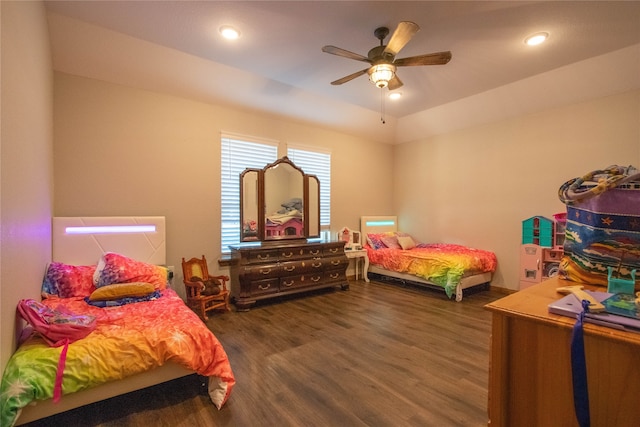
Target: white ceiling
{"x": 277, "y": 64}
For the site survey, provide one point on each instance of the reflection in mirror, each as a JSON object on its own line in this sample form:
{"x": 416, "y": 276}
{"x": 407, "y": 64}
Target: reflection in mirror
{"x": 283, "y": 197}
{"x": 249, "y": 211}
{"x": 278, "y": 202}
{"x": 314, "y": 208}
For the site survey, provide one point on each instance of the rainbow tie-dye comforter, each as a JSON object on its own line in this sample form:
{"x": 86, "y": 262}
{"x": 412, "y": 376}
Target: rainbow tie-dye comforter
{"x": 440, "y": 263}
{"x": 129, "y": 339}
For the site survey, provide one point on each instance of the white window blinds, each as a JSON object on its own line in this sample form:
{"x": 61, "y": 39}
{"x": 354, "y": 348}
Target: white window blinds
{"x": 237, "y": 154}
{"x": 318, "y": 164}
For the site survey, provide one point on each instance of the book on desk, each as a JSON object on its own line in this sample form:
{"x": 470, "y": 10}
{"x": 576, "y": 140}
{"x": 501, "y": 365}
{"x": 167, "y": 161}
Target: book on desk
{"x": 617, "y": 313}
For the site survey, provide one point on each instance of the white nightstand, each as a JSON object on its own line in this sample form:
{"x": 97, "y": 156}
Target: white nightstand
{"x": 357, "y": 254}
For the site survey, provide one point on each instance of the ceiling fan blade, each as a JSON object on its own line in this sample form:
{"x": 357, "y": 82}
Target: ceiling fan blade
{"x": 349, "y": 77}
{"x": 439, "y": 58}
{"x": 345, "y": 53}
{"x": 395, "y": 83}
{"x": 401, "y": 36}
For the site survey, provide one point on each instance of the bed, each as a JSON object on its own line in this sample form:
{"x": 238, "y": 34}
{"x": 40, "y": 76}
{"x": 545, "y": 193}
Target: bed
{"x": 395, "y": 255}
{"x": 160, "y": 336}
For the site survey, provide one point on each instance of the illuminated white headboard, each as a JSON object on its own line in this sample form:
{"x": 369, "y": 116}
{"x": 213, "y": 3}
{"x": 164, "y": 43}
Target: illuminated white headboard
{"x": 377, "y": 224}
{"x": 83, "y": 240}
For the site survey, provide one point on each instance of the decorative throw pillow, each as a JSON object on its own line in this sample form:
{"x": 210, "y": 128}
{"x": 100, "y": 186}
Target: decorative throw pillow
{"x": 115, "y": 268}
{"x": 406, "y": 242}
{"x": 67, "y": 281}
{"x": 375, "y": 241}
{"x": 390, "y": 241}
{"x": 122, "y": 290}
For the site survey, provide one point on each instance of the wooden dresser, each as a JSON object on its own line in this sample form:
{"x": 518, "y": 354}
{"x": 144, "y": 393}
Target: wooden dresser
{"x": 530, "y": 380}
{"x": 272, "y": 270}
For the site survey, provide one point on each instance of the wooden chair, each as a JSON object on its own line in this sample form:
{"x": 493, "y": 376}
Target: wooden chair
{"x": 195, "y": 274}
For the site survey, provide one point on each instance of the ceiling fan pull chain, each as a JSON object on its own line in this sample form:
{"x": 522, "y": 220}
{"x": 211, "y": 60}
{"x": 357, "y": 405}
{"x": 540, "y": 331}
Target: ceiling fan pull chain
{"x": 382, "y": 105}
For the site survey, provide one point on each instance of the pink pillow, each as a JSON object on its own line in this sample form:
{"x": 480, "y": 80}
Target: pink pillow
{"x": 68, "y": 281}
{"x": 375, "y": 240}
{"x": 115, "y": 268}
{"x": 390, "y": 241}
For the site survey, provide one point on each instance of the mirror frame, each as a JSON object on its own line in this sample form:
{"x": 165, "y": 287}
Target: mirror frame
{"x": 310, "y": 204}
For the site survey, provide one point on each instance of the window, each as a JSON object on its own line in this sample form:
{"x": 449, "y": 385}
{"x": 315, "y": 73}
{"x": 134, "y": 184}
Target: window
{"x": 319, "y": 164}
{"x": 237, "y": 154}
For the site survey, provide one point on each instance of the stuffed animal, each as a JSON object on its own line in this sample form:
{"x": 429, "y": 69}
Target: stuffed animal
{"x": 211, "y": 286}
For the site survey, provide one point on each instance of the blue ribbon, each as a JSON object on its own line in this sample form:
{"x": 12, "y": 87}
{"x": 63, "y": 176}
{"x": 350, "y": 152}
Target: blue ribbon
{"x": 579, "y": 370}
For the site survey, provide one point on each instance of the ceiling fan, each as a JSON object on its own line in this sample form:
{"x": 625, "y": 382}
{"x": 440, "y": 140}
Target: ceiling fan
{"x": 382, "y": 71}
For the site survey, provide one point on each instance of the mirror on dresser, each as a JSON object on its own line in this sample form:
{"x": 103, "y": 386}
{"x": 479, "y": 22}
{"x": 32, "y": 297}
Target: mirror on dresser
{"x": 280, "y": 214}
{"x": 279, "y": 202}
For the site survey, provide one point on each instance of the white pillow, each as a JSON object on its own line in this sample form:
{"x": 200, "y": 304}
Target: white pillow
{"x": 406, "y": 242}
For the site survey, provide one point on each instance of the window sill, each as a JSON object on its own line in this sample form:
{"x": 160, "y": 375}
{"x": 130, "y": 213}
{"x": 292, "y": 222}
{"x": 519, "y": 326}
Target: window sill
{"x": 225, "y": 260}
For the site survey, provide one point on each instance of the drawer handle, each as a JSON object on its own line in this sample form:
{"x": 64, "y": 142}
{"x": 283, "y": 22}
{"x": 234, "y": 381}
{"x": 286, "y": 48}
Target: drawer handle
{"x": 287, "y": 255}
{"x": 264, "y": 288}
{"x": 316, "y": 252}
{"x": 288, "y": 284}
{"x": 335, "y": 262}
{"x": 316, "y": 265}
{"x": 334, "y": 275}
{"x": 265, "y": 272}
{"x": 262, "y": 257}
{"x": 315, "y": 279}
{"x": 290, "y": 268}
{"x": 333, "y": 250}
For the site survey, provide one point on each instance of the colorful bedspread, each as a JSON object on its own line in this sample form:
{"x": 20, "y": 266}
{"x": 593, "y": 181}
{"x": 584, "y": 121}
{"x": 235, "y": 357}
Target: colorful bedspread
{"x": 442, "y": 264}
{"x": 128, "y": 340}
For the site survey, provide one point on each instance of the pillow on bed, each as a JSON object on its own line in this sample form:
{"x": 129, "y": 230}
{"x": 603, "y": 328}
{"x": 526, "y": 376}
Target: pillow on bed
{"x": 406, "y": 242}
{"x": 390, "y": 241}
{"x": 115, "y": 268}
{"x": 68, "y": 281}
{"x": 375, "y": 240}
{"x": 122, "y": 290}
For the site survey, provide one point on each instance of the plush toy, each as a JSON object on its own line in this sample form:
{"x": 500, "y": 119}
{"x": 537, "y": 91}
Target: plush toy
{"x": 211, "y": 286}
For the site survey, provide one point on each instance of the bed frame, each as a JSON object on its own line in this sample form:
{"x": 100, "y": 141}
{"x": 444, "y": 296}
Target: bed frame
{"x": 381, "y": 224}
{"x": 86, "y": 249}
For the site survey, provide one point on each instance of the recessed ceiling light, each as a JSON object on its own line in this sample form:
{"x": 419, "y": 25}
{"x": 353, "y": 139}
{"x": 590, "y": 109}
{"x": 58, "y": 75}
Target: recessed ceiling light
{"x": 395, "y": 95}
{"x": 536, "y": 39}
{"x": 229, "y": 33}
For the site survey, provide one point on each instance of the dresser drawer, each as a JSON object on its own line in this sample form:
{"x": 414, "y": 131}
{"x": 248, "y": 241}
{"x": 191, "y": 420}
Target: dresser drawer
{"x": 260, "y": 271}
{"x": 336, "y": 262}
{"x": 333, "y": 251}
{"x": 300, "y": 281}
{"x": 300, "y": 252}
{"x": 262, "y": 256}
{"x": 263, "y": 287}
{"x": 339, "y": 275}
{"x": 314, "y": 251}
{"x": 292, "y": 268}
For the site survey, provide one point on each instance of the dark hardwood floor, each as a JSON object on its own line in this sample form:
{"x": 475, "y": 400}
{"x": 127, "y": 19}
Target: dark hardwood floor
{"x": 376, "y": 355}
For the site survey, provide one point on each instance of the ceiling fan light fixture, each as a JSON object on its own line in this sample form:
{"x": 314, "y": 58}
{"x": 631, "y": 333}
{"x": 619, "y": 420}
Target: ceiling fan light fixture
{"x": 381, "y": 74}
{"x": 229, "y": 32}
{"x": 536, "y": 39}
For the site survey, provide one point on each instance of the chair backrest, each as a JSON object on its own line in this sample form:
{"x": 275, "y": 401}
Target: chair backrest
{"x": 195, "y": 268}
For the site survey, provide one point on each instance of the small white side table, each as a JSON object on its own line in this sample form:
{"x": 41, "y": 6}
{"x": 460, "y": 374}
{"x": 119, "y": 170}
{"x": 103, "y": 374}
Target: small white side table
{"x": 357, "y": 254}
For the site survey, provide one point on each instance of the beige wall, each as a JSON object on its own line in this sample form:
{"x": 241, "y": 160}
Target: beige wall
{"x": 123, "y": 151}
{"x": 26, "y": 188}
{"x": 475, "y": 186}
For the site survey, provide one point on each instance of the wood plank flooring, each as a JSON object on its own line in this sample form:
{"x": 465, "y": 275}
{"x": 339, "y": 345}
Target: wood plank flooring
{"x": 376, "y": 355}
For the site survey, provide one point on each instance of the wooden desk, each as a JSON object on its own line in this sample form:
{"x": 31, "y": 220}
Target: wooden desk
{"x": 530, "y": 365}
